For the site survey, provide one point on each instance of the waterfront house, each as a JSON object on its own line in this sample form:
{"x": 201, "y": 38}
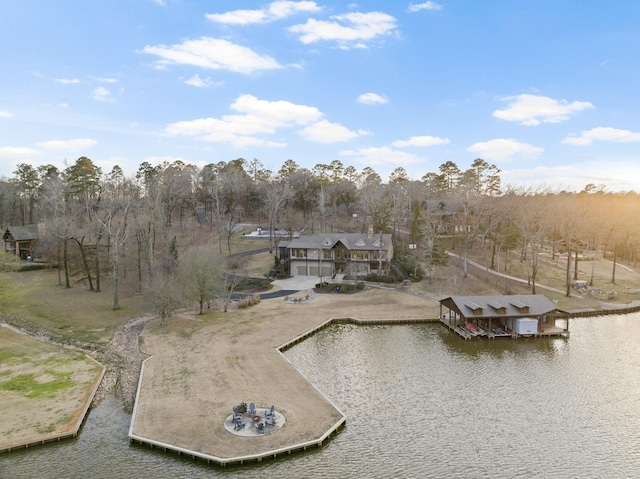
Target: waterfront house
{"x": 325, "y": 255}
{"x": 515, "y": 315}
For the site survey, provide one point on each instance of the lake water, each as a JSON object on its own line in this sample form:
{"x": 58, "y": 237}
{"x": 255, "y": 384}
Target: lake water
{"x": 421, "y": 402}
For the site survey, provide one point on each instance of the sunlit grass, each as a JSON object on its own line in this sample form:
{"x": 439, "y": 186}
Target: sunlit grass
{"x": 28, "y": 385}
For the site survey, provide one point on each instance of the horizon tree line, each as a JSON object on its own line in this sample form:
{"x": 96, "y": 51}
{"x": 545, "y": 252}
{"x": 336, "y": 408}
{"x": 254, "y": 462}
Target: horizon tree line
{"x": 115, "y": 223}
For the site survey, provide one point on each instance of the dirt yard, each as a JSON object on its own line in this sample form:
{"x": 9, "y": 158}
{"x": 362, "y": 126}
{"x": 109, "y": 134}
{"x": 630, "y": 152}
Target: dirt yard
{"x": 201, "y": 367}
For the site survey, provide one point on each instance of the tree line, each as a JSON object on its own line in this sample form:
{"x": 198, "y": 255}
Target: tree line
{"x": 112, "y": 225}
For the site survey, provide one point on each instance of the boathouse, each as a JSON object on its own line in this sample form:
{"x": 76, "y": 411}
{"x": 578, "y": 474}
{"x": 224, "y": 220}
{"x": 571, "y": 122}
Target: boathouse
{"x": 517, "y": 315}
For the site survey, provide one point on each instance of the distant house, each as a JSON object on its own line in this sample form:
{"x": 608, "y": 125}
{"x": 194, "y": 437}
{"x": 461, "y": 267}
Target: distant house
{"x": 444, "y": 214}
{"x": 337, "y": 253}
{"x": 506, "y": 315}
{"x": 21, "y": 241}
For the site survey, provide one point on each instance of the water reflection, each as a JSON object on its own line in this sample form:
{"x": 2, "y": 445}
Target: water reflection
{"x": 498, "y": 347}
{"x": 421, "y": 402}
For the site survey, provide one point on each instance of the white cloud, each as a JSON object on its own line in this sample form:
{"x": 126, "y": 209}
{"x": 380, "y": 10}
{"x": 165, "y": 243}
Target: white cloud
{"x": 535, "y": 109}
{"x": 382, "y": 156}
{"x": 102, "y": 94}
{"x": 278, "y": 112}
{"x": 67, "y": 81}
{"x": 504, "y": 149}
{"x": 421, "y": 141}
{"x": 76, "y": 144}
{"x": 326, "y": 132}
{"x": 416, "y": 7}
{"x": 200, "y": 82}
{"x": 372, "y": 99}
{"x": 349, "y": 29}
{"x": 256, "y": 117}
{"x": 13, "y": 151}
{"x": 245, "y": 141}
{"x": 213, "y": 54}
{"x": 106, "y": 80}
{"x": 6, "y": 114}
{"x": 603, "y": 134}
{"x": 274, "y": 11}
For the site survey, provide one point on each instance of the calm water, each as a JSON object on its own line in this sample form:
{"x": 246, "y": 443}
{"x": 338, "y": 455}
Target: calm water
{"x": 422, "y": 402}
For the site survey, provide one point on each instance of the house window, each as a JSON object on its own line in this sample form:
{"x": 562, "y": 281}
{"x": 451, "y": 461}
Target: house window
{"x": 298, "y": 253}
{"x": 360, "y": 255}
{"x": 342, "y": 254}
{"x": 326, "y": 254}
{"x": 377, "y": 255}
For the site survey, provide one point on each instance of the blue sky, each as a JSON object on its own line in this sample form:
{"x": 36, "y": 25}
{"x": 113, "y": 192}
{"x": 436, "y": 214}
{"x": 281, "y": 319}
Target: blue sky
{"x": 547, "y": 90}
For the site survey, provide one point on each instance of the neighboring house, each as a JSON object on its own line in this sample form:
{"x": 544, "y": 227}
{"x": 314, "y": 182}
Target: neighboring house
{"x": 509, "y": 315}
{"x": 327, "y": 254}
{"x": 21, "y": 241}
{"x": 444, "y": 215}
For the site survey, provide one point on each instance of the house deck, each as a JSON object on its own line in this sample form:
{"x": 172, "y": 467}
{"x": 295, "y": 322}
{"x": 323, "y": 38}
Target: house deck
{"x": 458, "y": 328}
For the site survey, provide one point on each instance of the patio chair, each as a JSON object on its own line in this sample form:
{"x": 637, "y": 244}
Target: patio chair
{"x": 237, "y": 422}
{"x": 260, "y": 427}
{"x": 252, "y": 409}
{"x": 270, "y": 412}
{"x": 270, "y": 421}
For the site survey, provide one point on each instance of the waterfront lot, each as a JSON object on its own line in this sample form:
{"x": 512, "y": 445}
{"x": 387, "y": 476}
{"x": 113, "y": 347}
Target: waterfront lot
{"x": 43, "y": 388}
{"x": 202, "y": 366}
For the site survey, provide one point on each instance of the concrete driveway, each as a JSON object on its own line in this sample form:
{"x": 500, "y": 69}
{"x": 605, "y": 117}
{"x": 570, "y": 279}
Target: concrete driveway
{"x": 297, "y": 283}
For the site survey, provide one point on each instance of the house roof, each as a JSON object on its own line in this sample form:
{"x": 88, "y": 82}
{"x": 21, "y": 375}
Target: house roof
{"x": 513, "y": 306}
{"x": 21, "y": 233}
{"x": 442, "y": 207}
{"x": 351, "y": 241}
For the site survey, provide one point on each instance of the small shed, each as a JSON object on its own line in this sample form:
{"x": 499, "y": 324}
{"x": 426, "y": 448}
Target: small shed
{"x": 505, "y": 315}
{"x": 21, "y": 241}
{"x": 526, "y": 326}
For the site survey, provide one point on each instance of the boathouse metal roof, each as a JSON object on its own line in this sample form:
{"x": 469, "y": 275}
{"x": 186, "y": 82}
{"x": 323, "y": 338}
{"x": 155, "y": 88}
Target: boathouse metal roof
{"x": 503, "y": 306}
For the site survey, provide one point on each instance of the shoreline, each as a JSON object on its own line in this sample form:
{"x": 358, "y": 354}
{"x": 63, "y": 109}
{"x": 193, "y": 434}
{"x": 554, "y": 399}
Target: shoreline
{"x": 125, "y": 356}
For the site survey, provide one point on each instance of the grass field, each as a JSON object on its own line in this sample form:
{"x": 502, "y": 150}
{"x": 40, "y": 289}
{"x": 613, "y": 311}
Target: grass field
{"x": 81, "y": 315}
{"x": 43, "y": 387}
{"x": 35, "y": 297}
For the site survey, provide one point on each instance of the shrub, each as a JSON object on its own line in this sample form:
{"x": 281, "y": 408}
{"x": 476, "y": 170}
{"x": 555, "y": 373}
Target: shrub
{"x": 249, "y": 301}
{"x": 380, "y": 278}
{"x": 343, "y": 288}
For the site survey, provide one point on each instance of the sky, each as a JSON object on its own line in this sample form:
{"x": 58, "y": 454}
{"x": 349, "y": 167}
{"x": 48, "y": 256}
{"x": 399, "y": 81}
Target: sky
{"x": 546, "y": 90}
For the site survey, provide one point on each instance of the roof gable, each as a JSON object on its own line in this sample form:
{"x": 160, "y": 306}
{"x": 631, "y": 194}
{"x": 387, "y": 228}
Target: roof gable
{"x": 350, "y": 241}
{"x": 21, "y": 233}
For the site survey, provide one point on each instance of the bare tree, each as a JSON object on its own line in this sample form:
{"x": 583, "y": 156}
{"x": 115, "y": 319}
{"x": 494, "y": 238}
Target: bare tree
{"x": 114, "y": 219}
{"x": 236, "y": 272}
{"x": 528, "y": 213}
{"x": 201, "y": 273}
{"x": 164, "y": 294}
{"x": 275, "y": 195}
{"x": 59, "y": 217}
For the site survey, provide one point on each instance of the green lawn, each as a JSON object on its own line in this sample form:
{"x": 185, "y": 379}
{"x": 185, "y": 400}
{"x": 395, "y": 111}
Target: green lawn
{"x": 76, "y": 313}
